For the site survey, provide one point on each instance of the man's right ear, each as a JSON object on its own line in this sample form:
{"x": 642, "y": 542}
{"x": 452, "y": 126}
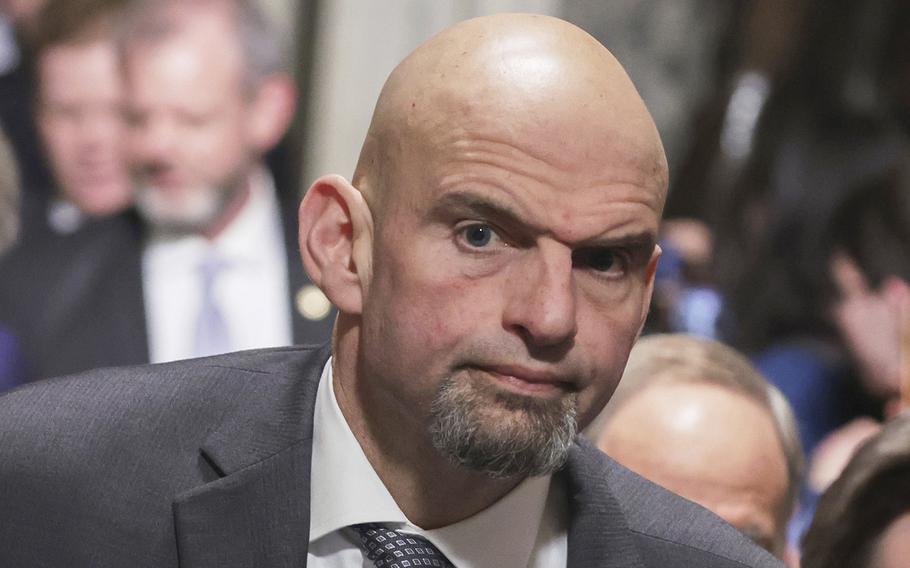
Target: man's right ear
{"x": 336, "y": 241}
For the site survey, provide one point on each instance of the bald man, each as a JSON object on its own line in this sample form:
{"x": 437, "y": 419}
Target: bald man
{"x": 696, "y": 417}
{"x": 492, "y": 261}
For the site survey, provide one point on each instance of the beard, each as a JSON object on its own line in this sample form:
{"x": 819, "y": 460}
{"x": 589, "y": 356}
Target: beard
{"x": 521, "y": 436}
{"x": 196, "y": 211}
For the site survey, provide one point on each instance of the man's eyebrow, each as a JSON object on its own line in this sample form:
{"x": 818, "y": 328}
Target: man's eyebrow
{"x": 643, "y": 242}
{"x": 468, "y": 203}
{"x": 472, "y": 204}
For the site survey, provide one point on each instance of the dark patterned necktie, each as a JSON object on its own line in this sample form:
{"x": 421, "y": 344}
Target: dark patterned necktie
{"x": 393, "y": 549}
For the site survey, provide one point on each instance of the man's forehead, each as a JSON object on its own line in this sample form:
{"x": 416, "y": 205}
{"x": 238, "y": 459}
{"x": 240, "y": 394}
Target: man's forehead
{"x": 516, "y": 155}
{"x": 530, "y": 88}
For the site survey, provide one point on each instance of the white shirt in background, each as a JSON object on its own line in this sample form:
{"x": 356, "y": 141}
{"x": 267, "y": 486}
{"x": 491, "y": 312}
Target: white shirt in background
{"x": 251, "y": 290}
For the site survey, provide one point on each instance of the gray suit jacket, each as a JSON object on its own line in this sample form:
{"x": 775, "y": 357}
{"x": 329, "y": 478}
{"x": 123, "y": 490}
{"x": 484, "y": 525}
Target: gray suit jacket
{"x": 206, "y": 463}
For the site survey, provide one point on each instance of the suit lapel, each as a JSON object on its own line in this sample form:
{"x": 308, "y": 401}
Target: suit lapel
{"x": 598, "y": 534}
{"x": 257, "y": 512}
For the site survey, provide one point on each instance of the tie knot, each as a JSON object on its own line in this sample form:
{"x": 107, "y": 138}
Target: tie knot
{"x": 389, "y": 548}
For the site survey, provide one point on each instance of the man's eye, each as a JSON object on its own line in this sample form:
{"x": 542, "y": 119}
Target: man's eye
{"x": 597, "y": 259}
{"x": 478, "y": 236}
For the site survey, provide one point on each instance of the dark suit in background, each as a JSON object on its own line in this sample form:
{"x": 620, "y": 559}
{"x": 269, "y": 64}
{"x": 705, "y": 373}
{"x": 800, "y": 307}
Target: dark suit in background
{"x": 206, "y": 463}
{"x": 75, "y": 302}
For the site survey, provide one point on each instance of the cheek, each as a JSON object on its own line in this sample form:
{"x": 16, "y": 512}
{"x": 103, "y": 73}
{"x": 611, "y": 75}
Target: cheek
{"x": 429, "y": 307}
{"x": 59, "y": 141}
{"x": 426, "y": 308}
{"x": 605, "y": 337}
{"x": 213, "y": 156}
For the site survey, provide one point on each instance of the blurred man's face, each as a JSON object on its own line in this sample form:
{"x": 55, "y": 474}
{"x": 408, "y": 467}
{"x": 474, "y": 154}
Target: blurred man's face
{"x": 712, "y": 446}
{"x": 189, "y": 118}
{"x": 81, "y": 122}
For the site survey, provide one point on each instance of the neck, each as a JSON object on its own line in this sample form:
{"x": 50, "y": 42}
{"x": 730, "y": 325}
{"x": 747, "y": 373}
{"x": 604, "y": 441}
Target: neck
{"x": 431, "y": 491}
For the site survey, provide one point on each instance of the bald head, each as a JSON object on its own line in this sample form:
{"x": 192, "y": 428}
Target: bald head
{"x": 532, "y": 76}
{"x": 695, "y": 416}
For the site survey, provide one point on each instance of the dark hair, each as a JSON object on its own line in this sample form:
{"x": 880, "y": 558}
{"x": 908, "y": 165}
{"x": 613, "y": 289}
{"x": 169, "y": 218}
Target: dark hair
{"x": 818, "y": 184}
{"x": 62, "y": 22}
{"x": 871, "y": 493}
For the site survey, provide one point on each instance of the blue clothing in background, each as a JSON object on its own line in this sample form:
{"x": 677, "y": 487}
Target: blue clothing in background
{"x": 818, "y": 381}
{"x": 12, "y": 371}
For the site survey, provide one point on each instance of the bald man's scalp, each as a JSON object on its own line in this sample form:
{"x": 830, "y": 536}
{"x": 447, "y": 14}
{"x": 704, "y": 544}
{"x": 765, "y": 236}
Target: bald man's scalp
{"x": 531, "y": 70}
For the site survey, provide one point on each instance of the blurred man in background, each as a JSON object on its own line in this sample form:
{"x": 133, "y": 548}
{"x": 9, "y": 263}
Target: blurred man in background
{"x": 79, "y": 110}
{"x": 696, "y": 417}
{"x": 204, "y": 267}
{"x": 65, "y": 251}
{"x": 208, "y": 97}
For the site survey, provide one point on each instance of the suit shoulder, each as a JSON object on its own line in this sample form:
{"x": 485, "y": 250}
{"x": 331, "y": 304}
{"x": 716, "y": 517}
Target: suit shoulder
{"x": 670, "y": 530}
{"x": 123, "y": 401}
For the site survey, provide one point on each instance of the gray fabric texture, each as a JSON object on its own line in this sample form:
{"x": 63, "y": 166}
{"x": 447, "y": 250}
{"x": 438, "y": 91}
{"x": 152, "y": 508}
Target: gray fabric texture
{"x": 206, "y": 463}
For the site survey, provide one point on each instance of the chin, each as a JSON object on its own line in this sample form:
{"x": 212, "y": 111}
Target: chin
{"x": 192, "y": 211}
{"x": 501, "y": 433}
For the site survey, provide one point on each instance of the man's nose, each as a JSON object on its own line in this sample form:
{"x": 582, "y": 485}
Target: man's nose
{"x": 100, "y": 131}
{"x": 541, "y": 304}
{"x": 152, "y": 140}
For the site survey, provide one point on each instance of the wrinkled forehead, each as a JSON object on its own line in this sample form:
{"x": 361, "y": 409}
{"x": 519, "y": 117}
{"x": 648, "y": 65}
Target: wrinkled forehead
{"x": 541, "y": 95}
{"x": 582, "y": 144}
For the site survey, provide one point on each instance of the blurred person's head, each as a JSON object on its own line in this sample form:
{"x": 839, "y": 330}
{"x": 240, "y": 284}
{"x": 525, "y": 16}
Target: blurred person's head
{"x": 695, "y": 416}
{"x": 208, "y": 96}
{"x": 863, "y": 519}
{"x": 79, "y": 110}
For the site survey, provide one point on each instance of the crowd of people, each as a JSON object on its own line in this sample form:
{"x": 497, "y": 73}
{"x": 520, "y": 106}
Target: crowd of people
{"x": 165, "y": 236}
{"x": 146, "y": 217}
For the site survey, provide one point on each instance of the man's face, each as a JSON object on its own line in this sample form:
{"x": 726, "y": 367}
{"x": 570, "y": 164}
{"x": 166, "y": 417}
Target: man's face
{"x": 512, "y": 270}
{"x": 81, "y": 122}
{"x": 190, "y": 148}
{"x": 711, "y": 446}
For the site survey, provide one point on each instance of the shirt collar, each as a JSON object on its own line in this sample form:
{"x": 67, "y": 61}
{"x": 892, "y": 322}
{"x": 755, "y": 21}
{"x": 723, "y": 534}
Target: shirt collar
{"x": 345, "y": 490}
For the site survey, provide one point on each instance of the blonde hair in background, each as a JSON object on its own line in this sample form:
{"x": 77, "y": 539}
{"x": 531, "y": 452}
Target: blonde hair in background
{"x": 9, "y": 194}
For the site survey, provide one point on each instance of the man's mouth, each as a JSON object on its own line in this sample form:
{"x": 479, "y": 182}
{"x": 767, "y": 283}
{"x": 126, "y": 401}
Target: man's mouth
{"x": 528, "y": 381}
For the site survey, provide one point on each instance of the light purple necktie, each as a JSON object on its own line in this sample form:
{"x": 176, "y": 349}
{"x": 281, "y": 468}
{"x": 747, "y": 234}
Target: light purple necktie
{"x": 212, "y": 335}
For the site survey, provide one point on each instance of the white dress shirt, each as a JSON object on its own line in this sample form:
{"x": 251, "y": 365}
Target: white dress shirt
{"x": 525, "y": 528}
{"x": 251, "y": 290}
